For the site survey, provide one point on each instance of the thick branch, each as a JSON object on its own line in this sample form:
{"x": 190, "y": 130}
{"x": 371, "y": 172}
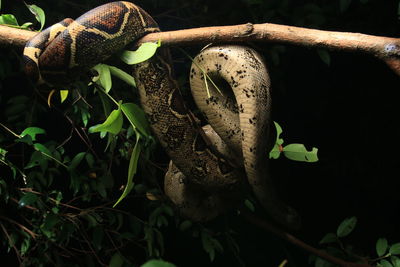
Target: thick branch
{"x": 385, "y": 48}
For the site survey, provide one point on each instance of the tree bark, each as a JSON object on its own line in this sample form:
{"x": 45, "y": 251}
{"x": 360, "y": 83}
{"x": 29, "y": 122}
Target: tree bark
{"x": 384, "y": 48}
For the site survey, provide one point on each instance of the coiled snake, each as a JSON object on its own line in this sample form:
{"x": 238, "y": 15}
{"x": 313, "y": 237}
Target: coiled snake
{"x": 213, "y": 180}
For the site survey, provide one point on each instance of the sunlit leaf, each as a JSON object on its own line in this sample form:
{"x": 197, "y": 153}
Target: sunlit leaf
{"x": 298, "y": 152}
{"x": 39, "y": 14}
{"x": 113, "y": 123}
{"x": 3, "y": 153}
{"x": 8, "y": 19}
{"x": 104, "y": 76}
{"x": 42, "y": 148}
{"x": 32, "y": 132}
{"x": 143, "y": 53}
{"x": 131, "y": 171}
{"x": 63, "y": 95}
{"x": 26, "y": 25}
{"x": 136, "y": 117}
{"x": 276, "y": 150}
{"x": 120, "y": 74}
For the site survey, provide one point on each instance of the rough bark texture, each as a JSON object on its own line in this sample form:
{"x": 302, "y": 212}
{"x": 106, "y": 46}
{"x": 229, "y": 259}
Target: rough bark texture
{"x": 385, "y": 48}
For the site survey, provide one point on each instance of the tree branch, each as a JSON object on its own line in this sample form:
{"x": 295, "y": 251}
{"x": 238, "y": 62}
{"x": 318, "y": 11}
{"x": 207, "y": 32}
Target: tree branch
{"x": 297, "y": 242}
{"x": 384, "y": 48}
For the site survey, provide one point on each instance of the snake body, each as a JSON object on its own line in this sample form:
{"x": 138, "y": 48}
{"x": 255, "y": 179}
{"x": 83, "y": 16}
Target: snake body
{"x": 207, "y": 183}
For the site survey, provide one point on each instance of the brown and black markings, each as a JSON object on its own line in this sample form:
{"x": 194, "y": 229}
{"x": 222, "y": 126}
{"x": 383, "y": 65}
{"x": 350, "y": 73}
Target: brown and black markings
{"x": 60, "y": 54}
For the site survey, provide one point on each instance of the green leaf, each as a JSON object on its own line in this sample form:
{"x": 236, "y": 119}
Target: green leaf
{"x": 329, "y": 238}
{"x": 136, "y": 117}
{"x": 63, "y": 95}
{"x": 185, "y": 225}
{"x": 346, "y": 227}
{"x": 90, "y": 160}
{"x": 120, "y": 74}
{"x": 28, "y": 199}
{"x": 50, "y": 221}
{"x": 85, "y": 117}
{"x": 3, "y": 153}
{"x": 32, "y": 132}
{"x": 8, "y": 19}
{"x": 104, "y": 79}
{"x": 381, "y": 246}
{"x": 39, "y": 14}
{"x": 25, "y": 245}
{"x": 143, "y": 53}
{"x": 113, "y": 123}
{"x": 395, "y": 261}
{"x": 325, "y": 56}
{"x": 210, "y": 245}
{"x": 158, "y": 263}
{"x": 276, "y": 150}
{"x": 116, "y": 260}
{"x": 27, "y": 139}
{"x": 131, "y": 171}
{"x": 385, "y": 263}
{"x": 298, "y": 152}
{"x": 26, "y": 25}
{"x": 249, "y": 205}
{"x": 42, "y": 149}
{"x": 395, "y": 249}
{"x": 76, "y": 160}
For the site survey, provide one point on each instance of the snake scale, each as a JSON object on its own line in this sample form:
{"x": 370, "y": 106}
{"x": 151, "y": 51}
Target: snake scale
{"x": 204, "y": 180}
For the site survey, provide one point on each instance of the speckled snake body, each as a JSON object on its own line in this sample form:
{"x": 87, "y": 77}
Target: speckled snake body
{"x": 208, "y": 182}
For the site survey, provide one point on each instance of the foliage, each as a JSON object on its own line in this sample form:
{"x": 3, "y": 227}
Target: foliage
{"x": 387, "y": 254}
{"x": 58, "y": 184}
{"x": 64, "y": 197}
{"x": 295, "y": 152}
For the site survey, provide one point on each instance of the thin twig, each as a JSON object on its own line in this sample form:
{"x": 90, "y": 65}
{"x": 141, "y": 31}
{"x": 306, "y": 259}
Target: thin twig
{"x": 297, "y": 242}
{"x": 31, "y": 233}
{"x": 10, "y": 242}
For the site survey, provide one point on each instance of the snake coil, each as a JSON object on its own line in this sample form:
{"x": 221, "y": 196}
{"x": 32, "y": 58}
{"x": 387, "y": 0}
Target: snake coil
{"x": 203, "y": 181}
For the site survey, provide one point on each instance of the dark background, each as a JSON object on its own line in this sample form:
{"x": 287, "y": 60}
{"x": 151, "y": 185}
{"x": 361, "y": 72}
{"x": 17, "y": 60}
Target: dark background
{"x": 346, "y": 109}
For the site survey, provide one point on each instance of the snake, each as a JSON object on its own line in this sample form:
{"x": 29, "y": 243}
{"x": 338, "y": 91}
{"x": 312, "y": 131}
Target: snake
{"x": 211, "y": 167}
